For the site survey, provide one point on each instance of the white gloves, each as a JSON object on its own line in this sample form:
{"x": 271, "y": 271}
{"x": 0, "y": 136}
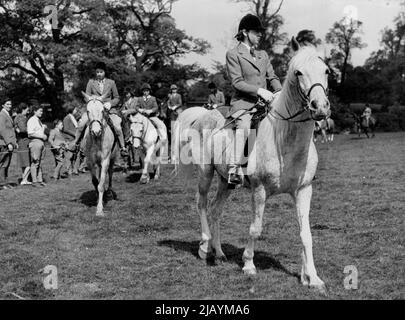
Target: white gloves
{"x": 107, "y": 106}
{"x": 266, "y": 95}
{"x": 214, "y": 106}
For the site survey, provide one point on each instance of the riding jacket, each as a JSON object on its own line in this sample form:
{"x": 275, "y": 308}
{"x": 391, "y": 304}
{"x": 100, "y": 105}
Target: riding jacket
{"x": 248, "y": 73}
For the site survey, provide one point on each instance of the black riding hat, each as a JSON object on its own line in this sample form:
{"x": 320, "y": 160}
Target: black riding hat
{"x": 146, "y": 86}
{"x": 212, "y": 85}
{"x": 101, "y": 65}
{"x": 251, "y": 22}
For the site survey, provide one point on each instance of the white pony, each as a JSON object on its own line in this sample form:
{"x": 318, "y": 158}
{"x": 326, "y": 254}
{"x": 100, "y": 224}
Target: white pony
{"x": 283, "y": 158}
{"x": 145, "y": 134}
{"x": 101, "y": 148}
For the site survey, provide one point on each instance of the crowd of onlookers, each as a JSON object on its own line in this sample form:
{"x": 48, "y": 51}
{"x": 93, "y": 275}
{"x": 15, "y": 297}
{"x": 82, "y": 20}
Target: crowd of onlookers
{"x": 23, "y": 134}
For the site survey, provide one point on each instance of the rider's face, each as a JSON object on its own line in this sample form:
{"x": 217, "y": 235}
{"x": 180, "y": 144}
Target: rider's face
{"x": 146, "y": 92}
{"x": 100, "y": 73}
{"x": 253, "y": 37}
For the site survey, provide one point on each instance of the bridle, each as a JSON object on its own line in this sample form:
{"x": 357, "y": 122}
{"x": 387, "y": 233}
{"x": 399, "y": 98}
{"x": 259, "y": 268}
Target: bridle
{"x": 100, "y": 122}
{"x": 142, "y": 131}
{"x": 305, "y": 102}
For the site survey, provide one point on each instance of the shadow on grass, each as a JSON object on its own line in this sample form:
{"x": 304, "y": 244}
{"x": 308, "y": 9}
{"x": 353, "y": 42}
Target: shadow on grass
{"x": 89, "y": 198}
{"x": 262, "y": 260}
{"x": 135, "y": 177}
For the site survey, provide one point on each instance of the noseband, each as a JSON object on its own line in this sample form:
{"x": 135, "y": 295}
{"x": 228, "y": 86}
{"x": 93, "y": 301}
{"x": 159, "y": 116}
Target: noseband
{"x": 306, "y": 103}
{"x": 96, "y": 121}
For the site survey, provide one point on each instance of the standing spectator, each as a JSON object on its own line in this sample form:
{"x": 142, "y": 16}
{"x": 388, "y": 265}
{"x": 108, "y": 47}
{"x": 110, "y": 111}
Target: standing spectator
{"x": 23, "y": 157}
{"x": 57, "y": 142}
{"x": 8, "y": 142}
{"x": 37, "y": 136}
{"x": 174, "y": 108}
{"x": 69, "y": 132}
{"x": 174, "y": 103}
{"x": 80, "y": 163}
{"x": 216, "y": 98}
{"x": 129, "y": 105}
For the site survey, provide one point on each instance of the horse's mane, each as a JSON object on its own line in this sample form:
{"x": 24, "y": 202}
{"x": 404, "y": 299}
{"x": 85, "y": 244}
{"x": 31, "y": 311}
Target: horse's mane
{"x": 288, "y": 98}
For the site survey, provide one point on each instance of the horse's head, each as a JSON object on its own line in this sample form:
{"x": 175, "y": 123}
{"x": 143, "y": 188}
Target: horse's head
{"x": 95, "y": 112}
{"x": 137, "y": 129}
{"x": 309, "y": 74}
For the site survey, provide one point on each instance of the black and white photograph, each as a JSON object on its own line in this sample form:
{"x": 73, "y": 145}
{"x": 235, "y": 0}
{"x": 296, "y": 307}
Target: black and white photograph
{"x": 226, "y": 151}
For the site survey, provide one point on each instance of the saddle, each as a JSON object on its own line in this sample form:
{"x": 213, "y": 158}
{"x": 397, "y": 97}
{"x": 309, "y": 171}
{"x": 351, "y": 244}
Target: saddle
{"x": 259, "y": 112}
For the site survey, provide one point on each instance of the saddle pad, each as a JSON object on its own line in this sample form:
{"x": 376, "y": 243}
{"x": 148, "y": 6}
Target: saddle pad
{"x": 223, "y": 110}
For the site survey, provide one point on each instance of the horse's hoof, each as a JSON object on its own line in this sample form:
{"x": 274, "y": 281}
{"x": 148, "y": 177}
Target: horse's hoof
{"x": 249, "y": 271}
{"x": 144, "y": 180}
{"x": 156, "y": 178}
{"x": 321, "y": 289}
{"x": 202, "y": 254}
{"x": 100, "y": 214}
{"x": 220, "y": 260}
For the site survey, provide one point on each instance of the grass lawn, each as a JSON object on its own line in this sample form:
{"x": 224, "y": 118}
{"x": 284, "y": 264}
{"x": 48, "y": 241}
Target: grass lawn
{"x": 146, "y": 246}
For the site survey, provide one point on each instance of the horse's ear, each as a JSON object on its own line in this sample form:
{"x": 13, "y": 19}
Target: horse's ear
{"x": 294, "y": 43}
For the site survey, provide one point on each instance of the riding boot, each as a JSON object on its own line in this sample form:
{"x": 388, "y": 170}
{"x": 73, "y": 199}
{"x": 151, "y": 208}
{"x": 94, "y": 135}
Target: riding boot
{"x": 121, "y": 142}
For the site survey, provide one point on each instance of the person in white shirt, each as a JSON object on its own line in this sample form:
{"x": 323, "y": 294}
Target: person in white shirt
{"x": 37, "y": 136}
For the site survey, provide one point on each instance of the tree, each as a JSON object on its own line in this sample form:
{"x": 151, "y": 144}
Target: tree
{"x": 388, "y": 63}
{"x": 29, "y": 46}
{"x": 136, "y": 39}
{"x": 345, "y": 36}
{"x": 146, "y": 31}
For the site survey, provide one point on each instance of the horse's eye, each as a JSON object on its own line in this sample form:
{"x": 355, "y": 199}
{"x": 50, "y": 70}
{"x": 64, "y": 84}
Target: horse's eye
{"x": 298, "y": 73}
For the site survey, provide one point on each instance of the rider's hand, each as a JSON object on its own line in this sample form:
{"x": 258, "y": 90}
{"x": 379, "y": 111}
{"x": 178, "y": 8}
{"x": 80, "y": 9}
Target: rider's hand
{"x": 10, "y": 147}
{"x": 266, "y": 95}
{"x": 214, "y": 106}
{"x": 107, "y": 106}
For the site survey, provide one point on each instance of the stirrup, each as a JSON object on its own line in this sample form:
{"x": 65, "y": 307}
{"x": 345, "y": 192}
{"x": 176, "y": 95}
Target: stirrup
{"x": 234, "y": 177}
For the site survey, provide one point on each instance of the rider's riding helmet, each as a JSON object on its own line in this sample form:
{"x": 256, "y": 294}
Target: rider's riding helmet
{"x": 173, "y": 87}
{"x": 101, "y": 65}
{"x": 146, "y": 86}
{"x": 212, "y": 85}
{"x": 251, "y": 22}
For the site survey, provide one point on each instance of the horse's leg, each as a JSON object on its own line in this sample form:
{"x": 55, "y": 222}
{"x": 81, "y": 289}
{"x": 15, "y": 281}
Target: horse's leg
{"x": 309, "y": 276}
{"x": 94, "y": 179}
{"x": 145, "y": 172}
{"x": 216, "y": 211}
{"x": 204, "y": 183}
{"x": 258, "y": 204}
{"x": 110, "y": 174}
{"x": 159, "y": 155}
{"x": 101, "y": 187}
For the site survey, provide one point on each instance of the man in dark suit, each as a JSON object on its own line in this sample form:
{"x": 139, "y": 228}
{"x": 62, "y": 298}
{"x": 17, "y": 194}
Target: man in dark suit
{"x": 102, "y": 86}
{"x": 249, "y": 70}
{"x": 8, "y": 142}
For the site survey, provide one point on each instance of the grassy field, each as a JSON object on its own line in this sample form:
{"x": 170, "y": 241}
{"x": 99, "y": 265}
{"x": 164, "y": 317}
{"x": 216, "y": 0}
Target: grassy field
{"x": 146, "y": 247}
